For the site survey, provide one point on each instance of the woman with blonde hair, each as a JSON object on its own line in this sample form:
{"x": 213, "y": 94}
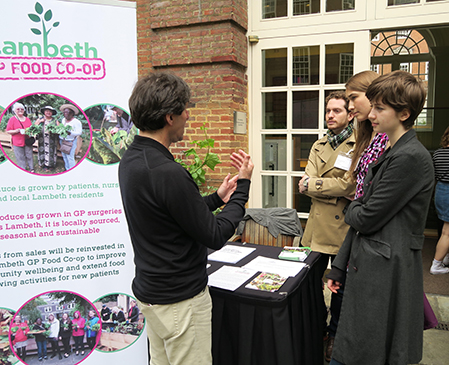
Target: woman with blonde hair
{"x": 53, "y": 337}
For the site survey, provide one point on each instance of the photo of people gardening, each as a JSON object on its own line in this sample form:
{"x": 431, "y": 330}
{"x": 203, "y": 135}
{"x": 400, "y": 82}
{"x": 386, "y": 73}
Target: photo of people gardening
{"x": 122, "y": 322}
{"x": 44, "y": 134}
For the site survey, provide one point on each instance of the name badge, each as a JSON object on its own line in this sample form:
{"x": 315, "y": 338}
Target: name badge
{"x": 343, "y": 161}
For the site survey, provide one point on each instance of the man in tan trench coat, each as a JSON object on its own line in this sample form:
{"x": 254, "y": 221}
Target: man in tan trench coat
{"x": 324, "y": 181}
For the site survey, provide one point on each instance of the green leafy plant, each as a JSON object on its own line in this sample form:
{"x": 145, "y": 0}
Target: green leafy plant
{"x": 33, "y": 130}
{"x": 107, "y": 148}
{"x": 96, "y": 327}
{"x": 62, "y": 130}
{"x": 195, "y": 164}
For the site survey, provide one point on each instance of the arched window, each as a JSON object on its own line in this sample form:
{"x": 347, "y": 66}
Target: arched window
{"x": 406, "y": 50}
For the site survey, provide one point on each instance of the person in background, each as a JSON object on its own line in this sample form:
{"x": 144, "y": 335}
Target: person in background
{"x": 440, "y": 263}
{"x": 382, "y": 317}
{"x": 41, "y": 339}
{"x": 369, "y": 145}
{"x": 20, "y": 340}
{"x": 47, "y": 141}
{"x": 91, "y": 335}
{"x": 124, "y": 122}
{"x": 54, "y": 335}
{"x": 16, "y": 128}
{"x": 78, "y": 324}
{"x": 170, "y": 249}
{"x": 325, "y": 182}
{"x": 117, "y": 315}
{"x": 69, "y": 112}
{"x": 133, "y": 312}
{"x": 65, "y": 333}
{"x": 105, "y": 313}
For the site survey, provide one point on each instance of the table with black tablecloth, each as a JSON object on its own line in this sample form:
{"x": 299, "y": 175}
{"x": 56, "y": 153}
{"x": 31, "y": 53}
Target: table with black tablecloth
{"x": 253, "y": 327}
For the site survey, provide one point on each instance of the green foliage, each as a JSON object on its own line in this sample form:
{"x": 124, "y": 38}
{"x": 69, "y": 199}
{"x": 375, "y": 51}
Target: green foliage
{"x": 197, "y": 166}
{"x": 4, "y": 122}
{"x": 30, "y": 310}
{"x": 96, "y": 327}
{"x": 109, "y": 298}
{"x": 62, "y": 130}
{"x": 107, "y": 148}
{"x": 33, "y": 129}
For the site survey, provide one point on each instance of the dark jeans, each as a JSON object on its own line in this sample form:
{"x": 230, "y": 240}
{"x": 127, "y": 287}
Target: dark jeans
{"x": 66, "y": 344}
{"x": 91, "y": 342}
{"x": 79, "y": 346}
{"x": 54, "y": 345}
{"x": 41, "y": 348}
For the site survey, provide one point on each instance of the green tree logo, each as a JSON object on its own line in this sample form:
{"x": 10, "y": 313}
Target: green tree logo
{"x": 38, "y": 18}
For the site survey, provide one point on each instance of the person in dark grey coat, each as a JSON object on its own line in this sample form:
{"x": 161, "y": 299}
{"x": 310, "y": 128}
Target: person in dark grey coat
{"x": 381, "y": 320}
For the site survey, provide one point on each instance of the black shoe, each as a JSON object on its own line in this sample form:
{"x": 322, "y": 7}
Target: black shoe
{"x": 60, "y": 357}
{"x": 52, "y": 356}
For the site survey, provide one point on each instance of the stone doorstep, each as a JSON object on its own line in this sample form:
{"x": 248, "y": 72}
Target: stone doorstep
{"x": 440, "y": 306}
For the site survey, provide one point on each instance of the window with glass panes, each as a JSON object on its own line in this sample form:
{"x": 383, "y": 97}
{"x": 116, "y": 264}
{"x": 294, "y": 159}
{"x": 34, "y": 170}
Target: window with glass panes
{"x": 293, "y": 90}
{"x": 280, "y": 8}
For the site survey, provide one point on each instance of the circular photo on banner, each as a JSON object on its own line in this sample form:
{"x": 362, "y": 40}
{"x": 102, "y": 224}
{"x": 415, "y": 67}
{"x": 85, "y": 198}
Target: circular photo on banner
{"x": 112, "y": 132}
{"x": 45, "y": 134}
{"x": 2, "y": 156}
{"x": 55, "y": 326}
{"x": 6, "y": 354}
{"x": 122, "y": 322}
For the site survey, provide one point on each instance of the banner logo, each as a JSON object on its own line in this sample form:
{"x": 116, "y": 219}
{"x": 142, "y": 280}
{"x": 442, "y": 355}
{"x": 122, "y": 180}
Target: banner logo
{"x": 47, "y": 61}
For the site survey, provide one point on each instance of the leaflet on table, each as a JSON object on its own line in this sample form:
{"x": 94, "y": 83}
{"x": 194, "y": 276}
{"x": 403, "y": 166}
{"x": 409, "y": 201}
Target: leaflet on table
{"x": 230, "y": 254}
{"x": 267, "y": 282}
{"x": 295, "y": 253}
{"x": 230, "y": 277}
{"x": 275, "y": 266}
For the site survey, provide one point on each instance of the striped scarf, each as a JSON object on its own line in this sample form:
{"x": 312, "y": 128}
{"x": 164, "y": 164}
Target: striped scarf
{"x": 336, "y": 140}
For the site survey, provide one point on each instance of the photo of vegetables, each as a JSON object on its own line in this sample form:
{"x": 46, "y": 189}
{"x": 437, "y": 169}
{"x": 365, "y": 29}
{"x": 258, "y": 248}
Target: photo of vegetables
{"x": 112, "y": 133}
{"x": 6, "y": 355}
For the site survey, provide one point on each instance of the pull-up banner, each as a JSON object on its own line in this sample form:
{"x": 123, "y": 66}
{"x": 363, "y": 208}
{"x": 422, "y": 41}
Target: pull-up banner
{"x": 67, "y": 69}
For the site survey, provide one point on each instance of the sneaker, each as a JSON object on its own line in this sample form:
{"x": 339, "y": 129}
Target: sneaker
{"x": 439, "y": 268}
{"x": 446, "y": 260}
{"x": 40, "y": 359}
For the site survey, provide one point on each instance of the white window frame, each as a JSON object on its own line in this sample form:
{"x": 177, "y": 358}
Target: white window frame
{"x": 362, "y": 50}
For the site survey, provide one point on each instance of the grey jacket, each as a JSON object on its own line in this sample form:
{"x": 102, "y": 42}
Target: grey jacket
{"x": 381, "y": 319}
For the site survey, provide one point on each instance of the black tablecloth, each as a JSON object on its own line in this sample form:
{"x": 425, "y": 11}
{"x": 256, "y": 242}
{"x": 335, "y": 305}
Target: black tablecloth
{"x": 252, "y": 327}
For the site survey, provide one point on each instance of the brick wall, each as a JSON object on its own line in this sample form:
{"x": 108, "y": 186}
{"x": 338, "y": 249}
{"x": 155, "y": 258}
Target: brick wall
{"x": 204, "y": 42}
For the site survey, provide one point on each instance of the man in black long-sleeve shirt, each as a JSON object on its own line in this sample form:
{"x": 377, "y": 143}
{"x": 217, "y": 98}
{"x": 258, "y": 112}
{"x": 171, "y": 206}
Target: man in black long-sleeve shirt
{"x": 171, "y": 225}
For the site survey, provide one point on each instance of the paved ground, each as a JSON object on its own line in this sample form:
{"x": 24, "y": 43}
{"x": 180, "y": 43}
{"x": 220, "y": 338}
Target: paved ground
{"x": 436, "y": 342}
{"x": 71, "y": 360}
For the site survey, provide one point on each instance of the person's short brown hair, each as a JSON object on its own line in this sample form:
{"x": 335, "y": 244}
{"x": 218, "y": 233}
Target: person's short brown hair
{"x": 400, "y": 90}
{"x": 340, "y": 94}
{"x": 154, "y": 97}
